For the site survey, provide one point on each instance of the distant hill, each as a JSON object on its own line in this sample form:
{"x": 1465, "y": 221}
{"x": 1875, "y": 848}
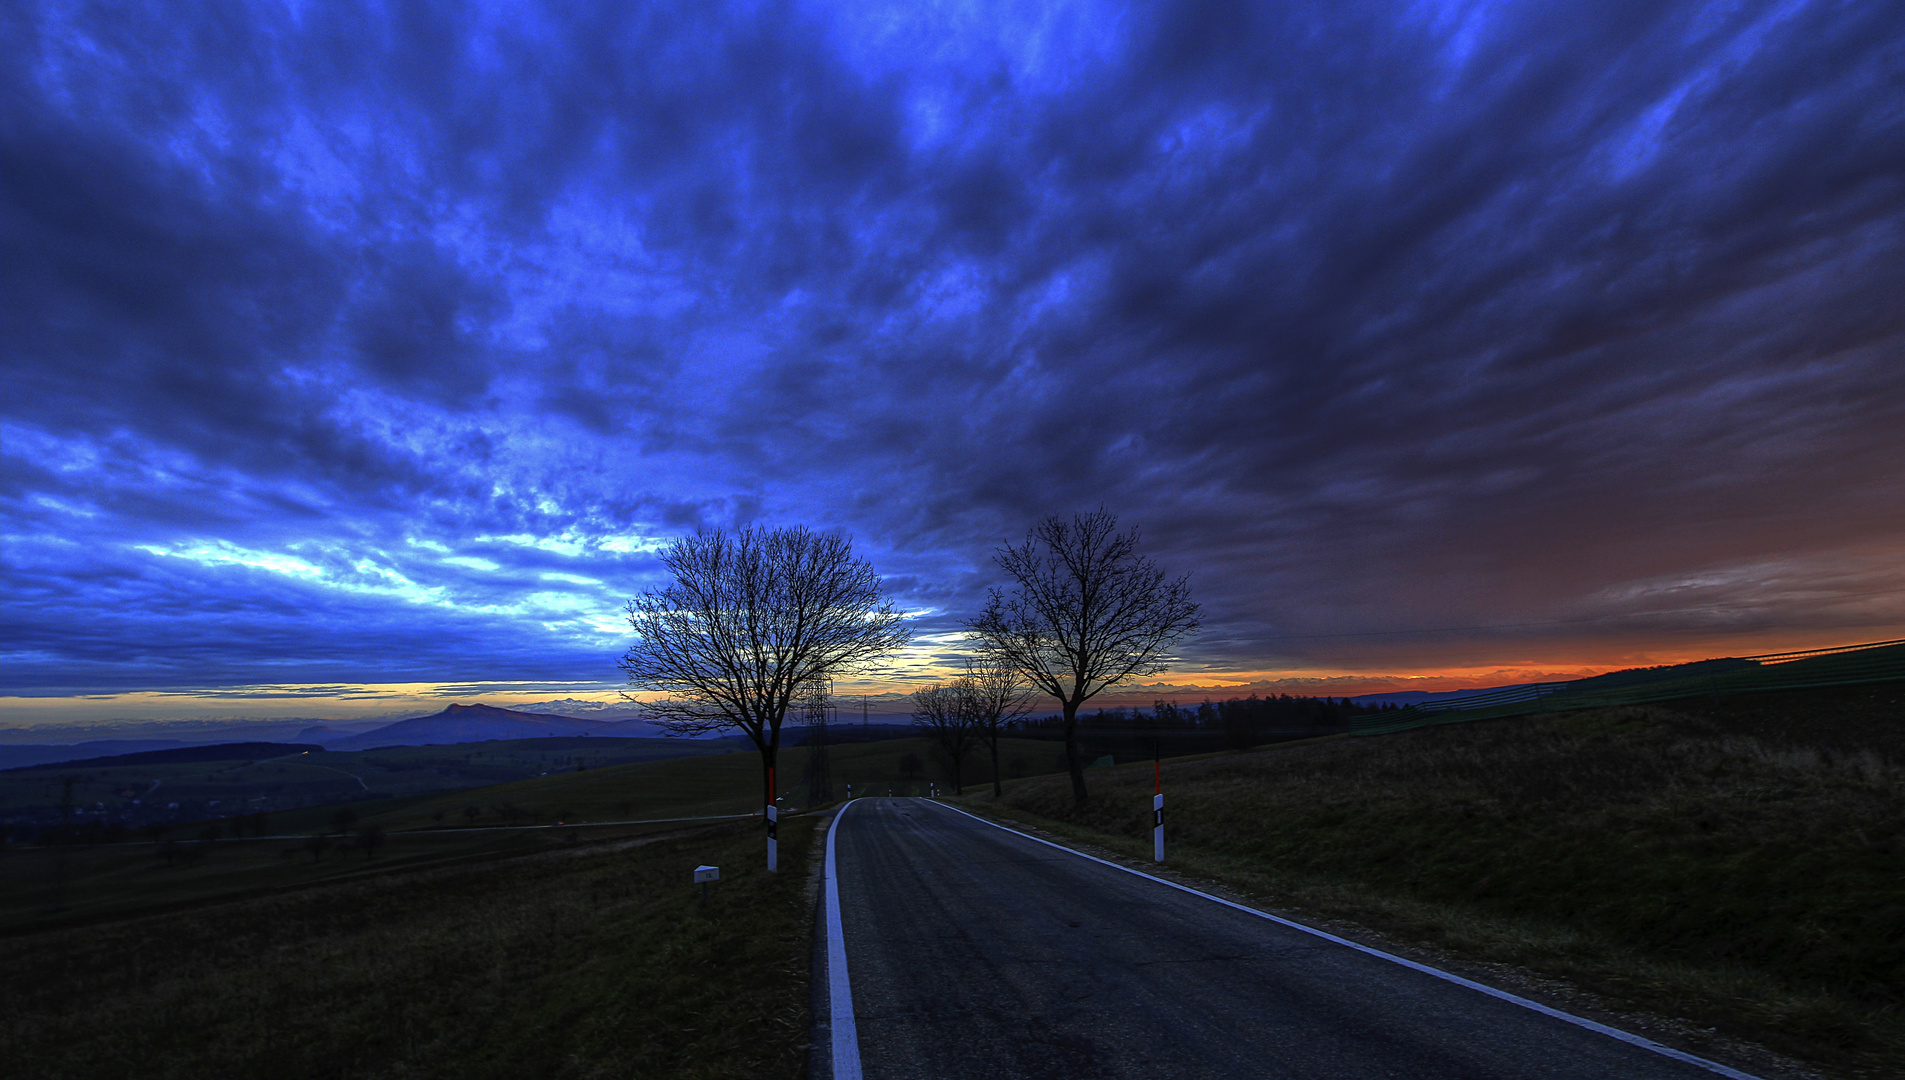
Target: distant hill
{"x": 28, "y": 755}
{"x": 1411, "y": 697}
{"x": 243, "y": 751}
{"x": 1609, "y": 680}
{"x": 475, "y": 723}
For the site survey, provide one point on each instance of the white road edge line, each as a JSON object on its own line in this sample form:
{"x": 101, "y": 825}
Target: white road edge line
{"x": 1578, "y": 1021}
{"x": 846, "y": 1035}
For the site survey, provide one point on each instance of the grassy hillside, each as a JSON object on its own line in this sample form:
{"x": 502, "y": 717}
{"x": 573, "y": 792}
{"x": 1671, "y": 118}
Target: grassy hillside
{"x": 448, "y": 950}
{"x": 287, "y": 787}
{"x": 40, "y": 885}
{"x": 712, "y": 784}
{"x": 89, "y": 885}
{"x": 592, "y": 961}
{"x": 1741, "y": 862}
{"x": 140, "y": 793}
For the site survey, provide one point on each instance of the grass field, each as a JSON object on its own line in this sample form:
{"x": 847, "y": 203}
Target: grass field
{"x": 184, "y": 795}
{"x": 593, "y": 960}
{"x": 712, "y": 784}
{"x": 1740, "y": 863}
{"x": 145, "y": 792}
{"x": 1735, "y": 863}
{"x": 455, "y": 948}
{"x": 63, "y": 884}
{"x": 73, "y": 885}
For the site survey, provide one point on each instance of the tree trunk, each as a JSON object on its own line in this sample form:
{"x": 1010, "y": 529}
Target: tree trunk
{"x": 997, "y": 791}
{"x": 1072, "y": 760}
{"x": 768, "y": 756}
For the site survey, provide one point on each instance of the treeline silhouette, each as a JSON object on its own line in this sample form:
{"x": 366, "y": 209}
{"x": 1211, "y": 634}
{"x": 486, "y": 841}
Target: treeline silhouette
{"x": 1170, "y": 728}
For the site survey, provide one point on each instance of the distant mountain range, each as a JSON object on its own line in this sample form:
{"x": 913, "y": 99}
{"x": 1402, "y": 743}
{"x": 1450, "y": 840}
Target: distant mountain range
{"x": 480, "y": 723}
{"x": 455, "y": 724}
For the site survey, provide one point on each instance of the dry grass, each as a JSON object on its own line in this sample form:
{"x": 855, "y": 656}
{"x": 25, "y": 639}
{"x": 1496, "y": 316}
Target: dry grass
{"x": 710, "y": 784}
{"x": 1745, "y": 872}
{"x": 590, "y": 962}
{"x": 119, "y": 880}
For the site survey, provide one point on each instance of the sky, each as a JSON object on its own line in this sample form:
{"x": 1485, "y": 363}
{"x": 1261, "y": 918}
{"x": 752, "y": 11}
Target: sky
{"x": 361, "y": 357}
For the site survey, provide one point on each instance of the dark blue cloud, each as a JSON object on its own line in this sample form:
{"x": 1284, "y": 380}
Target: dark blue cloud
{"x": 383, "y": 343}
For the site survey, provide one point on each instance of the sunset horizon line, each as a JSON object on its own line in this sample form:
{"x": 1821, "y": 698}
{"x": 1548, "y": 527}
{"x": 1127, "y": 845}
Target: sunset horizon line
{"x": 368, "y": 702}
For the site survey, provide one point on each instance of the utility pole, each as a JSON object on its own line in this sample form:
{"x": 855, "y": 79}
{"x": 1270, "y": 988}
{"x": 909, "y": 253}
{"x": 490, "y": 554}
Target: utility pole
{"x": 819, "y": 765}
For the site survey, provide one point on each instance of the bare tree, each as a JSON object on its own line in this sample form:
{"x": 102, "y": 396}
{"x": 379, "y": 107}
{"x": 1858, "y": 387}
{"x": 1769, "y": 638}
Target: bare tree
{"x": 753, "y": 618}
{"x": 944, "y": 714}
{"x": 1086, "y": 612}
{"x": 995, "y": 694}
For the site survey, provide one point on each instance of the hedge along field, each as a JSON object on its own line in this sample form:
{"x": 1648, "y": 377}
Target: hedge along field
{"x": 1743, "y": 867}
{"x": 597, "y": 961}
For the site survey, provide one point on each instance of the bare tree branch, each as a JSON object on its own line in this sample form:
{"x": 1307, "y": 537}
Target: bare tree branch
{"x": 994, "y": 695}
{"x": 1086, "y": 612}
{"x": 944, "y": 714}
{"x": 753, "y": 618}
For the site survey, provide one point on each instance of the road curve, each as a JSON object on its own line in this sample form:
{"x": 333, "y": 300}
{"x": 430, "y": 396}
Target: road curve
{"x": 975, "y": 952}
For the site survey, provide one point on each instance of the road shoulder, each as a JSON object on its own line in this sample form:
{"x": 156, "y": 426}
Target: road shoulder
{"x": 819, "y": 1002}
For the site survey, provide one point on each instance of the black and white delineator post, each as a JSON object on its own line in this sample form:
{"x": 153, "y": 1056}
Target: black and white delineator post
{"x": 773, "y": 827}
{"x": 1157, "y": 808}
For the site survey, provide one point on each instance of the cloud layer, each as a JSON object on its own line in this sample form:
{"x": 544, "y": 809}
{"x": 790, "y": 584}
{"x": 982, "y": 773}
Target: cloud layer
{"x": 359, "y": 344}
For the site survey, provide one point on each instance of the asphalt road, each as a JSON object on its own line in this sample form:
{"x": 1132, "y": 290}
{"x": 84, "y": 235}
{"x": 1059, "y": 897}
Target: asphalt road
{"x": 976, "y": 953}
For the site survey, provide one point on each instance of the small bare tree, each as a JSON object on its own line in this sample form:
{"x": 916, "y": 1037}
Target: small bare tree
{"x": 1086, "y": 612}
{"x": 943, "y": 714}
{"x": 755, "y": 617}
{"x": 995, "y": 694}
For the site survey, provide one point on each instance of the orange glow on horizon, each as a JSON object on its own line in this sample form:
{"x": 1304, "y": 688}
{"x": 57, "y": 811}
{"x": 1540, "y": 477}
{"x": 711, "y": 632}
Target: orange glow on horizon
{"x": 885, "y": 695}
